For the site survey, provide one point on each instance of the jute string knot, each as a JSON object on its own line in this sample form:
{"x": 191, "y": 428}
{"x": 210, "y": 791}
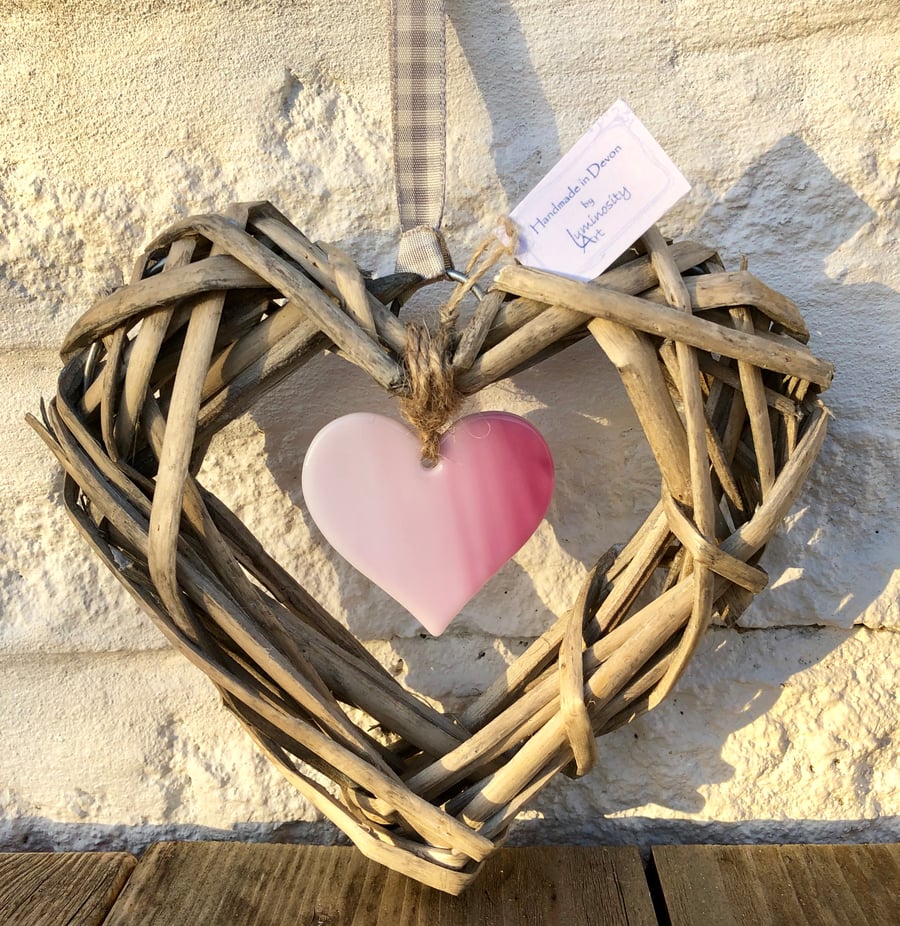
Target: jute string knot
{"x": 432, "y": 399}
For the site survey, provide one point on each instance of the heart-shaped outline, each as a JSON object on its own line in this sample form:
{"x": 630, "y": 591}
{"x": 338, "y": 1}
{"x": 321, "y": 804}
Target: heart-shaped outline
{"x": 431, "y": 537}
{"x": 439, "y": 795}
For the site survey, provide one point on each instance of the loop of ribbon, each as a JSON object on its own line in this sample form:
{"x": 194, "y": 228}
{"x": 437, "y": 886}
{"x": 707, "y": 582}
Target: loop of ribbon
{"x": 418, "y": 55}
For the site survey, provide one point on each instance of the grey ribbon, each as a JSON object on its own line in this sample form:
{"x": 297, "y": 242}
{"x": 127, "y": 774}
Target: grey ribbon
{"x": 419, "y": 118}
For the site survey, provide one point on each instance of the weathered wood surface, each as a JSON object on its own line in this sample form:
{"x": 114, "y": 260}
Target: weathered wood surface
{"x": 60, "y": 888}
{"x": 792, "y": 885}
{"x": 220, "y": 883}
{"x": 232, "y": 884}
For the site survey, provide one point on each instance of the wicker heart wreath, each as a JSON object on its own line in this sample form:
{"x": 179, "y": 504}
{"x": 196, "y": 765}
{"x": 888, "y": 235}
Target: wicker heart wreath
{"x": 221, "y": 308}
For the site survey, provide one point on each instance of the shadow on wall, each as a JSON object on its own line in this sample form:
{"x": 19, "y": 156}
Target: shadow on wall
{"x": 787, "y": 211}
{"x": 790, "y": 215}
{"x": 536, "y": 137}
{"x": 646, "y": 832}
{"x": 41, "y": 834}
{"x": 825, "y": 213}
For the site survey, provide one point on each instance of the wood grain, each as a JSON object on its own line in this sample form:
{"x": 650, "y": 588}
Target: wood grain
{"x": 233, "y": 884}
{"x": 796, "y": 885}
{"x": 60, "y": 888}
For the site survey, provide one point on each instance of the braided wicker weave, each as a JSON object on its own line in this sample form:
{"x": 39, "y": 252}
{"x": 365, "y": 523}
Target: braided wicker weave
{"x": 221, "y": 308}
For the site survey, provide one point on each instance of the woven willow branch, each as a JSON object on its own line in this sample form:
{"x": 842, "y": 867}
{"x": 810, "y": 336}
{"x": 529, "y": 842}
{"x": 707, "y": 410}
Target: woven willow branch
{"x": 221, "y": 308}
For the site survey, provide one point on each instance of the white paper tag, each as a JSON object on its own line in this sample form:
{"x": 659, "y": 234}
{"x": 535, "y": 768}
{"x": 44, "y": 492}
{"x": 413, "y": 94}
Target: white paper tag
{"x": 599, "y": 199}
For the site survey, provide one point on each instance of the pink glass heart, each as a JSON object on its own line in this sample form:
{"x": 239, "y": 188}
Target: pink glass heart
{"x": 430, "y": 538}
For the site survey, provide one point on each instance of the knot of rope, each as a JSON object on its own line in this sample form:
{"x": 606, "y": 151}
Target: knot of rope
{"x": 432, "y": 399}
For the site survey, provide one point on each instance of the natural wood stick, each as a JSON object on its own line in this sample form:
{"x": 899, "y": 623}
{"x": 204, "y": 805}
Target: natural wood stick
{"x": 724, "y": 290}
{"x": 242, "y": 353}
{"x": 782, "y": 404}
{"x": 657, "y": 621}
{"x": 528, "y": 338}
{"x": 364, "y": 683}
{"x": 635, "y": 358}
{"x": 576, "y": 722}
{"x": 714, "y": 450}
{"x": 710, "y": 555}
{"x": 619, "y": 710}
{"x": 757, "y": 408}
{"x": 532, "y": 710}
{"x": 111, "y": 381}
{"x": 476, "y": 331}
{"x": 536, "y": 656}
{"x": 272, "y": 366}
{"x": 704, "y": 510}
{"x": 314, "y": 259}
{"x": 142, "y": 357}
{"x": 535, "y": 706}
{"x": 601, "y": 687}
{"x": 242, "y": 300}
{"x": 175, "y": 456}
{"x": 375, "y": 842}
{"x": 123, "y": 307}
{"x": 360, "y": 679}
{"x": 352, "y": 289}
{"x": 635, "y": 277}
{"x": 257, "y": 631}
{"x": 514, "y": 313}
{"x": 295, "y": 285}
{"x": 627, "y": 574}
{"x": 769, "y": 354}
{"x": 627, "y": 585}
{"x": 332, "y": 809}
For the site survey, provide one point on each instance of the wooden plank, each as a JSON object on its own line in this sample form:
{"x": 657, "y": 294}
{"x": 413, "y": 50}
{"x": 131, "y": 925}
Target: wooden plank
{"x": 60, "y": 888}
{"x": 795, "y": 884}
{"x": 235, "y": 884}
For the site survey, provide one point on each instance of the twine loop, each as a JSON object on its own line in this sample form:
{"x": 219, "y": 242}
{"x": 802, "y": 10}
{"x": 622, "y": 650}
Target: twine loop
{"x": 432, "y": 399}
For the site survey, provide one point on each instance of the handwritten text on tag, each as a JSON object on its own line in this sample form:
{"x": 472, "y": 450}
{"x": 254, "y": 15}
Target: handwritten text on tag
{"x": 599, "y": 199}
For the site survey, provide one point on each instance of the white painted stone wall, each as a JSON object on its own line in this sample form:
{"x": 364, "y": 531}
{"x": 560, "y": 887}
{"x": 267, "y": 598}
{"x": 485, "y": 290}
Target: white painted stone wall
{"x": 119, "y": 117}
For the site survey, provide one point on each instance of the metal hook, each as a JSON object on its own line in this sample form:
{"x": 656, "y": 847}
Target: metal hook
{"x": 457, "y": 276}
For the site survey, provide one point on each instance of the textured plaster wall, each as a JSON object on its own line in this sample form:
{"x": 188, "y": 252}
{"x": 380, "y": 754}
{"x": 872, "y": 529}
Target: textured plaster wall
{"x": 119, "y": 117}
